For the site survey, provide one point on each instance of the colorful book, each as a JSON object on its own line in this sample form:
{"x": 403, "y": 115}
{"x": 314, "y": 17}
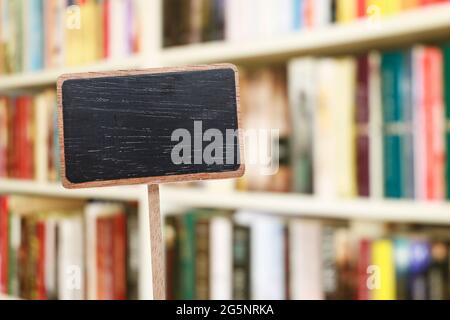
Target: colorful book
{"x": 384, "y": 276}
{"x": 430, "y": 123}
{"x": 362, "y": 126}
{"x": 392, "y": 73}
{"x": 302, "y": 98}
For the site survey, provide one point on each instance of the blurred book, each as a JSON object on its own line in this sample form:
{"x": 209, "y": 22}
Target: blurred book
{"x": 29, "y": 145}
{"x": 236, "y": 20}
{"x": 305, "y": 259}
{"x": 40, "y": 34}
{"x": 66, "y": 250}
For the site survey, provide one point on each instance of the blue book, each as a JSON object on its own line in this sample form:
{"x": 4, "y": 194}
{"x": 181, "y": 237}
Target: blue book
{"x": 419, "y": 266}
{"x": 298, "y": 14}
{"x": 392, "y": 70}
{"x": 34, "y": 29}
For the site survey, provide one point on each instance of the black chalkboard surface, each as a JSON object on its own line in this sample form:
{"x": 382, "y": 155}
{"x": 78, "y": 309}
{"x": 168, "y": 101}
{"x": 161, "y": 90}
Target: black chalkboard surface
{"x": 150, "y": 126}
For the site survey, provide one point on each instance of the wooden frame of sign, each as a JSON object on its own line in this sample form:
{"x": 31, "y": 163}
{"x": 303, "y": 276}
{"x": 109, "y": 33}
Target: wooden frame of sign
{"x": 88, "y": 93}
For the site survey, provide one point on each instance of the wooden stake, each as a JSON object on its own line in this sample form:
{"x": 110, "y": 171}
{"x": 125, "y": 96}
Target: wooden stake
{"x": 157, "y": 245}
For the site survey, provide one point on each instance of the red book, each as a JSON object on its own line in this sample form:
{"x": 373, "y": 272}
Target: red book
{"x": 101, "y": 259}
{"x": 3, "y": 137}
{"x": 364, "y": 261}
{"x": 105, "y": 261}
{"x": 361, "y": 8}
{"x": 4, "y": 244}
{"x": 40, "y": 266}
{"x": 23, "y": 166}
{"x": 119, "y": 258}
{"x": 434, "y": 116}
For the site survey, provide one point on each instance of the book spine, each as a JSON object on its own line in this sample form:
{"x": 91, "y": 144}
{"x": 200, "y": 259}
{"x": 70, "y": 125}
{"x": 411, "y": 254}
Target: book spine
{"x": 362, "y": 129}
{"x": 392, "y": 73}
{"x": 382, "y": 258}
{"x": 220, "y": 253}
{"x": 446, "y": 51}
{"x": 119, "y": 258}
{"x": 4, "y": 245}
{"x": 364, "y": 261}
{"x": 3, "y": 137}
{"x": 202, "y": 258}
{"x": 408, "y": 183}
{"x": 241, "y": 263}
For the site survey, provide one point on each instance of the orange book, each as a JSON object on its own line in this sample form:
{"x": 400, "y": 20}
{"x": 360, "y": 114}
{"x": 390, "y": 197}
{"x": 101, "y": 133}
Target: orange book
{"x": 119, "y": 257}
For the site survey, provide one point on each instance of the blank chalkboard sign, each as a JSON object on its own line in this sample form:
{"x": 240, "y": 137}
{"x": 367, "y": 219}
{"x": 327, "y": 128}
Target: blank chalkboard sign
{"x": 150, "y": 126}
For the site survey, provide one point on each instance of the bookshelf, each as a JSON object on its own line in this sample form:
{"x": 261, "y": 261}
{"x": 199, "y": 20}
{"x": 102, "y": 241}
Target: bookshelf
{"x": 419, "y": 25}
{"x": 425, "y": 24}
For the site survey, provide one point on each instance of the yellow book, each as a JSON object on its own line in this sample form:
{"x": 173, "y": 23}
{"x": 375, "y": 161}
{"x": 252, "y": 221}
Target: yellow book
{"x": 74, "y": 36}
{"x": 384, "y": 281}
{"x": 393, "y": 7}
{"x": 343, "y": 115}
{"x": 90, "y": 30}
{"x": 346, "y": 11}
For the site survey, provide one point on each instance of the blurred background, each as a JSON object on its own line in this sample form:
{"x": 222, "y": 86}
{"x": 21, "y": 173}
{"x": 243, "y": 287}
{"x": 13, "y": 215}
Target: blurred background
{"x": 358, "y": 92}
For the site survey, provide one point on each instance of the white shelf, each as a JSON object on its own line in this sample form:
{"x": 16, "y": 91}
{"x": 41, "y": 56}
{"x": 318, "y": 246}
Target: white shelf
{"x": 272, "y": 203}
{"x": 131, "y": 193}
{"x": 409, "y": 27}
{"x": 309, "y": 206}
{"x": 49, "y": 77}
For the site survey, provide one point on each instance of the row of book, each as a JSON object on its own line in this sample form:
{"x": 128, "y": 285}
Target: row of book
{"x": 250, "y": 255}
{"x": 236, "y": 20}
{"x": 38, "y": 34}
{"x": 29, "y": 146}
{"x": 67, "y": 250}
{"x": 372, "y": 125}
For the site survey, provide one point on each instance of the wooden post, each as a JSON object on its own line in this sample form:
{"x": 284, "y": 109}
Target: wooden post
{"x": 157, "y": 244}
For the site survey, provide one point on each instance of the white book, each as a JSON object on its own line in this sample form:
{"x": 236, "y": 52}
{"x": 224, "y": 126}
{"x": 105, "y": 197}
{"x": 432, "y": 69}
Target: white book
{"x": 71, "y": 258}
{"x": 376, "y": 127}
{"x": 285, "y": 16}
{"x": 232, "y": 19}
{"x": 267, "y": 255}
{"x": 221, "y": 262}
{"x": 118, "y": 42}
{"x": 305, "y": 270}
{"x": 322, "y": 13}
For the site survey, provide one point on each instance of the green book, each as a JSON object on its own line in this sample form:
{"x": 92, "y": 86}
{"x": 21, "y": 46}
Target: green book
{"x": 446, "y": 51}
{"x": 392, "y": 72}
{"x": 187, "y": 256}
